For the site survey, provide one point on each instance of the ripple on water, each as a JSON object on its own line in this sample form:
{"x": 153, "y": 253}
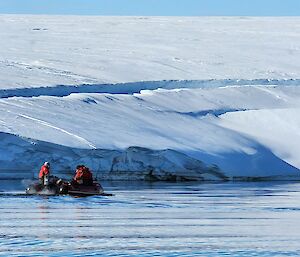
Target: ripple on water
{"x": 231, "y": 219}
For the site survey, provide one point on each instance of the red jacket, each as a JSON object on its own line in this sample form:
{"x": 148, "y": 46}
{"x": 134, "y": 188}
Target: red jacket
{"x": 83, "y": 174}
{"x": 44, "y": 171}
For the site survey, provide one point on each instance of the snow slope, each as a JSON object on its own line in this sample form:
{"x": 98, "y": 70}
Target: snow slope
{"x": 151, "y": 98}
{"x": 191, "y": 121}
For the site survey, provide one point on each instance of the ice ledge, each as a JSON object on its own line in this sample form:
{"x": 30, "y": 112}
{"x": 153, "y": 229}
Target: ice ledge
{"x": 21, "y": 158}
{"x": 136, "y": 87}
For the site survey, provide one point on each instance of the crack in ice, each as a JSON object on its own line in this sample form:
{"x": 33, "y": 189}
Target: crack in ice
{"x": 81, "y": 139}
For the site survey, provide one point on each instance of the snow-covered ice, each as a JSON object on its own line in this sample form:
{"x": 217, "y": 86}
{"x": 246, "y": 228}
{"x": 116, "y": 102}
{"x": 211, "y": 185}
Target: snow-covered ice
{"x": 196, "y": 122}
{"x": 133, "y": 97}
{"x": 51, "y": 50}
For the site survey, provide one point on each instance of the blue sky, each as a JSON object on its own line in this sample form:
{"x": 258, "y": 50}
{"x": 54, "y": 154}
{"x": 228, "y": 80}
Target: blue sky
{"x": 154, "y": 7}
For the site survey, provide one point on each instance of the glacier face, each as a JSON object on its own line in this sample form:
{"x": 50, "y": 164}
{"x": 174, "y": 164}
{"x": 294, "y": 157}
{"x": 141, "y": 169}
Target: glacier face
{"x": 20, "y": 158}
{"x": 134, "y": 163}
{"x": 150, "y": 98}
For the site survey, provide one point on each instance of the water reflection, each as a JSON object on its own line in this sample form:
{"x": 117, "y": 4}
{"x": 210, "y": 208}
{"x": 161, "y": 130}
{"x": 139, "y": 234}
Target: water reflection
{"x": 236, "y": 219}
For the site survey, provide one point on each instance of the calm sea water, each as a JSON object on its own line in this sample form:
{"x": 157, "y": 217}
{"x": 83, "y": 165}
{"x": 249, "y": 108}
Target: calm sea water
{"x": 227, "y": 219}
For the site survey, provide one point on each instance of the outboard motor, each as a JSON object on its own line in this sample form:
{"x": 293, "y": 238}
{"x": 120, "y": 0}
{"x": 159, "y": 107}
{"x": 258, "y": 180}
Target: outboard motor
{"x": 46, "y": 180}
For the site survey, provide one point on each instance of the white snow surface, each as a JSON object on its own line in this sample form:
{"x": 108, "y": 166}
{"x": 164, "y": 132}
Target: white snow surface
{"x": 51, "y": 50}
{"x": 196, "y": 98}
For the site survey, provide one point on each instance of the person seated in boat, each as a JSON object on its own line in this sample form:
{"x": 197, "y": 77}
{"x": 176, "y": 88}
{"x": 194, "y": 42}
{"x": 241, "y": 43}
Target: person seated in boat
{"x": 83, "y": 175}
{"x": 44, "y": 172}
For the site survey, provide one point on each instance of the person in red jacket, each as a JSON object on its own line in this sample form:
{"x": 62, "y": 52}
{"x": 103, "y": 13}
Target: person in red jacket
{"x": 83, "y": 175}
{"x": 44, "y": 171}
